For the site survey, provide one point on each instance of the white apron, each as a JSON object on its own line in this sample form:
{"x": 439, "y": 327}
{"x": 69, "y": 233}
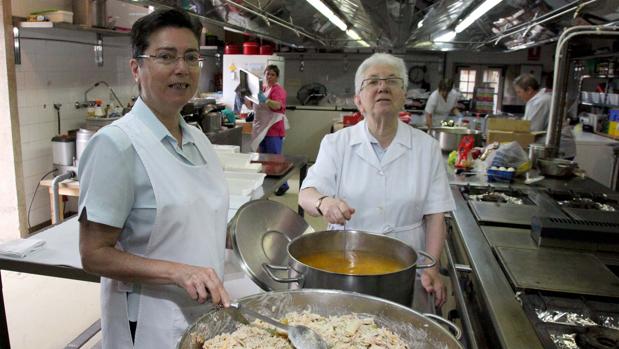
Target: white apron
{"x": 190, "y": 227}
{"x": 264, "y": 118}
{"x": 367, "y": 214}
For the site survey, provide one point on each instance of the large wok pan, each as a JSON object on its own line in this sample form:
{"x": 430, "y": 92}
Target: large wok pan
{"x": 416, "y": 329}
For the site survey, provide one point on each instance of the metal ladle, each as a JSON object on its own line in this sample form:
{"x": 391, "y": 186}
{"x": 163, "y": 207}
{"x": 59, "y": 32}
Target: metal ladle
{"x": 301, "y": 337}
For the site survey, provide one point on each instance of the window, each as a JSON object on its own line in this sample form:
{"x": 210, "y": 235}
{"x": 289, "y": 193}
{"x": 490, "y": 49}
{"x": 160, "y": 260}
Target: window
{"x": 466, "y": 82}
{"x": 475, "y": 78}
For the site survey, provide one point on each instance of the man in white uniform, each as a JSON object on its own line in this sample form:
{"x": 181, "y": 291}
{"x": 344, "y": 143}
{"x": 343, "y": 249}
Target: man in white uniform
{"x": 381, "y": 175}
{"x": 442, "y": 103}
{"x": 537, "y": 110}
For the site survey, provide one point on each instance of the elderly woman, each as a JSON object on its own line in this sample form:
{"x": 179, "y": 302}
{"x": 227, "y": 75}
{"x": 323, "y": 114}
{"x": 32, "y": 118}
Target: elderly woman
{"x": 442, "y": 103}
{"x": 153, "y": 201}
{"x": 382, "y": 175}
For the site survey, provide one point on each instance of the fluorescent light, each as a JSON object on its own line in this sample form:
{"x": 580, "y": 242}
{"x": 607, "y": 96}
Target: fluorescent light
{"x": 445, "y": 37}
{"x": 420, "y": 24}
{"x": 353, "y": 34}
{"x": 478, "y": 12}
{"x": 322, "y": 8}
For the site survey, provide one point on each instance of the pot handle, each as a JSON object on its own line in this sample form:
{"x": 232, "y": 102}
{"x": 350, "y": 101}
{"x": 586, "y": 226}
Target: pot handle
{"x": 436, "y": 318}
{"x": 268, "y": 267}
{"x": 432, "y": 261}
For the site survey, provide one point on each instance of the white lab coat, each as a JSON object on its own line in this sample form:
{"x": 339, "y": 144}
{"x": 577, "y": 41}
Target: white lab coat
{"x": 537, "y": 110}
{"x": 190, "y": 228}
{"x": 439, "y": 107}
{"x": 390, "y": 196}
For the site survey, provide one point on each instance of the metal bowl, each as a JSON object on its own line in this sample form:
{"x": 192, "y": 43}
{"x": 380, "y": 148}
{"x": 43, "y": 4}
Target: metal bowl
{"x": 557, "y": 167}
{"x": 414, "y": 328}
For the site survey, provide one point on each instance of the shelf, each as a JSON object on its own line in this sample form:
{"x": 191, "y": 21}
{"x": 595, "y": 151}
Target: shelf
{"x": 604, "y": 105}
{"x": 604, "y": 77}
{"x": 603, "y": 55}
{"x": 209, "y": 48}
{"x": 69, "y": 26}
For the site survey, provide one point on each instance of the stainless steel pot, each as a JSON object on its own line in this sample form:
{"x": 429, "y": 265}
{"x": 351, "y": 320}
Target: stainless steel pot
{"x": 212, "y": 122}
{"x": 449, "y": 137}
{"x": 557, "y": 167}
{"x": 417, "y": 330}
{"x": 397, "y": 287}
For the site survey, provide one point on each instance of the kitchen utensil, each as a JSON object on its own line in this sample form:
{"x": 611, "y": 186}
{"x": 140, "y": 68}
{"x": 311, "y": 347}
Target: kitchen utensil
{"x": 449, "y": 137}
{"x": 417, "y": 330}
{"x": 395, "y": 286}
{"x": 557, "y": 167}
{"x": 302, "y": 337}
{"x": 537, "y": 151}
{"x": 212, "y": 122}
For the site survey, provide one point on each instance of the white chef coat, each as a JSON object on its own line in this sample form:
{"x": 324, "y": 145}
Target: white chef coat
{"x": 391, "y": 195}
{"x": 537, "y": 110}
{"x": 439, "y": 107}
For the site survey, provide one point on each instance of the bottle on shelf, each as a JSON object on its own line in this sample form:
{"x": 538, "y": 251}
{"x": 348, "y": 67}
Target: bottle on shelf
{"x": 99, "y": 111}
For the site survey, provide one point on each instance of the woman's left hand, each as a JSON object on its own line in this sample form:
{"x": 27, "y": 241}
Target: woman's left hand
{"x": 432, "y": 283}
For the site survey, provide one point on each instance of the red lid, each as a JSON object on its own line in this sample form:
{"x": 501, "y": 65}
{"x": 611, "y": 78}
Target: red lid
{"x": 250, "y": 48}
{"x": 266, "y": 50}
{"x": 232, "y": 49}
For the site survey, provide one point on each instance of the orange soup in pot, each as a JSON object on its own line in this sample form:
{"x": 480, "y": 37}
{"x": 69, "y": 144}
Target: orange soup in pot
{"x": 352, "y": 262}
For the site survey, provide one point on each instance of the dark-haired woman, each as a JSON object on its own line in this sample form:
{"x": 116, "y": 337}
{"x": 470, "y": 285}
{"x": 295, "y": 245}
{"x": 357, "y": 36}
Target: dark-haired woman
{"x": 153, "y": 201}
{"x": 441, "y": 103}
{"x": 269, "y": 128}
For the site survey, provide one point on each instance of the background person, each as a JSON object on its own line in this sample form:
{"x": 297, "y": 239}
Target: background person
{"x": 153, "y": 198}
{"x": 270, "y": 122}
{"x": 442, "y": 103}
{"x": 381, "y": 175}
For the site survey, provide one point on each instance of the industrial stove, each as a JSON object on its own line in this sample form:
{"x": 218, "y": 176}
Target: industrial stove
{"x": 508, "y": 206}
{"x": 587, "y": 206}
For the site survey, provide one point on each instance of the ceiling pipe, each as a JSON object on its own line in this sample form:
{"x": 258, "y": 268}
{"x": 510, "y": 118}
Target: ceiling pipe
{"x": 278, "y": 21}
{"x": 541, "y": 19}
{"x": 557, "y": 106}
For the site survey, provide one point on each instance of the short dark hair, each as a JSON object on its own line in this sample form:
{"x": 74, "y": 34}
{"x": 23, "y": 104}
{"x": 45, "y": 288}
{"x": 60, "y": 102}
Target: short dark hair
{"x": 445, "y": 85}
{"x": 526, "y": 81}
{"x": 144, "y": 27}
{"x": 272, "y": 67}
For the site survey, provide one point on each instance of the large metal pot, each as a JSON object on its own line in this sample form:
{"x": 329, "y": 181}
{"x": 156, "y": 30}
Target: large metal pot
{"x": 396, "y": 286}
{"x": 557, "y": 167}
{"x": 417, "y": 330}
{"x": 449, "y": 137}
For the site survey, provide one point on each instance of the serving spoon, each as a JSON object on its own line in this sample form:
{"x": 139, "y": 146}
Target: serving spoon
{"x": 301, "y": 337}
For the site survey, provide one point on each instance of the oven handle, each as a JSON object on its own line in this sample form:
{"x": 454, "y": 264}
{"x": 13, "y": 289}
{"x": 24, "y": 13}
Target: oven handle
{"x": 466, "y": 320}
{"x": 436, "y": 318}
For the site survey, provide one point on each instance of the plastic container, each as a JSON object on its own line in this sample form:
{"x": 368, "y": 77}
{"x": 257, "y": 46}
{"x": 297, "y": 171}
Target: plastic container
{"x": 495, "y": 175}
{"x": 232, "y": 49}
{"x": 266, "y": 50}
{"x": 250, "y": 48}
{"x": 59, "y": 16}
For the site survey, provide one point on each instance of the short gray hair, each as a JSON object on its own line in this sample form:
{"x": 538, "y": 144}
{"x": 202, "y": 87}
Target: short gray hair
{"x": 526, "y": 81}
{"x": 382, "y": 59}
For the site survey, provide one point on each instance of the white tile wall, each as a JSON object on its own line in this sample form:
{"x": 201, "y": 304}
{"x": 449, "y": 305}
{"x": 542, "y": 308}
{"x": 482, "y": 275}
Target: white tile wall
{"x": 59, "y": 72}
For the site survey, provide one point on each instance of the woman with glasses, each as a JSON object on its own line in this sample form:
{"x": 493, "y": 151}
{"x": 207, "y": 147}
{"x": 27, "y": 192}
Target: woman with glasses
{"x": 153, "y": 199}
{"x": 442, "y": 103}
{"x": 381, "y": 175}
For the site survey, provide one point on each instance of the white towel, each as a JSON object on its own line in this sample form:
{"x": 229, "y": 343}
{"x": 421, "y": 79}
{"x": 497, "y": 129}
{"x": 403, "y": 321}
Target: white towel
{"x": 20, "y": 248}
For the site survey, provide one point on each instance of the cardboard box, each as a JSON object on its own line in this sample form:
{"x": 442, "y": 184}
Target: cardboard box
{"x": 523, "y": 138}
{"x": 503, "y": 124}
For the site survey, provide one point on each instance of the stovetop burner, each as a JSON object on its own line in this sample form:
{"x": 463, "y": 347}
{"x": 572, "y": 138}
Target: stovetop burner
{"x": 598, "y": 337}
{"x": 497, "y": 195}
{"x": 587, "y": 204}
{"x": 563, "y": 321}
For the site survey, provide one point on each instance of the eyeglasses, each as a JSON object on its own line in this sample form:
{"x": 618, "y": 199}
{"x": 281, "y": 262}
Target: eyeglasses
{"x": 192, "y": 59}
{"x": 392, "y": 82}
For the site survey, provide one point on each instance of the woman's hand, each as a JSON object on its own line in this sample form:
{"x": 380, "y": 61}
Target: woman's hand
{"x": 433, "y": 283}
{"x": 336, "y": 211}
{"x": 199, "y": 282}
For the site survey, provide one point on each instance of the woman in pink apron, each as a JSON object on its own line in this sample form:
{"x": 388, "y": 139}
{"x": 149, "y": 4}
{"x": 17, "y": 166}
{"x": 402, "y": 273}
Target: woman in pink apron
{"x": 270, "y": 122}
{"x": 153, "y": 200}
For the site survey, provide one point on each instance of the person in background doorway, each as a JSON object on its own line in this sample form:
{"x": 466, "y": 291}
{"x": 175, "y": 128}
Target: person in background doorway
{"x": 442, "y": 103}
{"x": 153, "y": 198}
{"x": 381, "y": 175}
{"x": 270, "y": 122}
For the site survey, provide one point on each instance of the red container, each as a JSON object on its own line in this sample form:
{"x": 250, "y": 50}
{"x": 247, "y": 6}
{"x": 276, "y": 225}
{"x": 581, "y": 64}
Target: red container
{"x": 231, "y": 49}
{"x": 266, "y": 50}
{"x": 250, "y": 48}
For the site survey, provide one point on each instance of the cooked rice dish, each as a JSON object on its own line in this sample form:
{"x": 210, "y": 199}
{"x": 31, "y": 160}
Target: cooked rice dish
{"x": 340, "y": 332}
